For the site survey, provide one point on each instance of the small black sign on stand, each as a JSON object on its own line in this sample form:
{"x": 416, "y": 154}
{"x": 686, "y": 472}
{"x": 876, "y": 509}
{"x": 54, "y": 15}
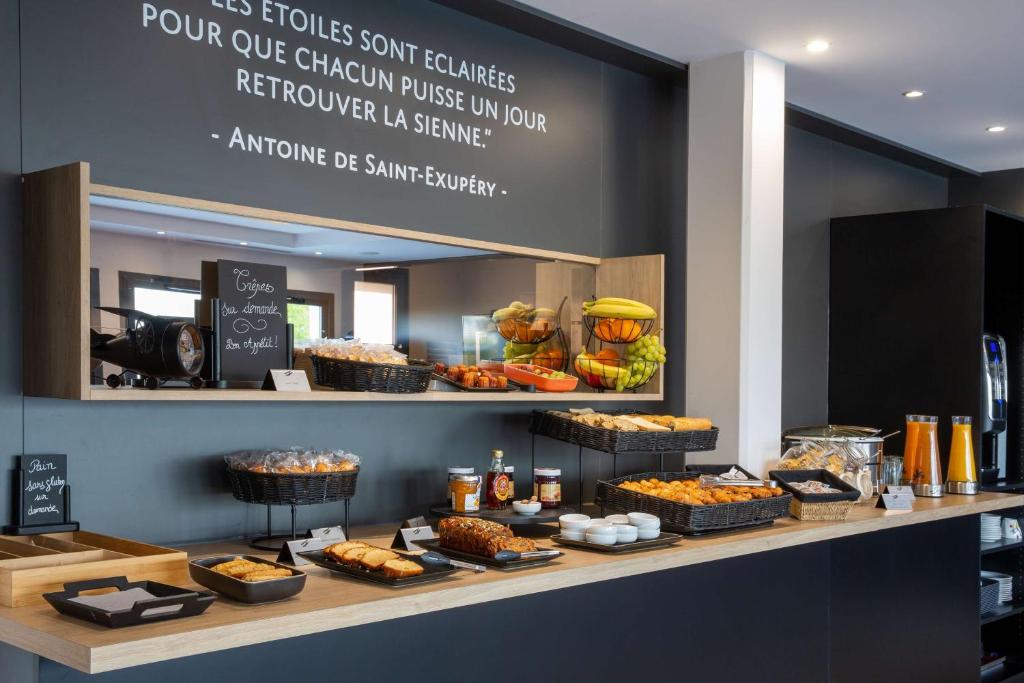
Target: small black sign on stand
{"x": 412, "y": 530}
{"x": 42, "y": 504}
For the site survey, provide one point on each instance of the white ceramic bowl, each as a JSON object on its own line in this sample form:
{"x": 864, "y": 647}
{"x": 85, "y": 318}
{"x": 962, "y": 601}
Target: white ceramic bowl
{"x": 573, "y": 534}
{"x": 601, "y": 537}
{"x": 617, "y": 519}
{"x": 642, "y": 520}
{"x": 626, "y": 533}
{"x": 526, "y": 508}
{"x": 647, "y": 534}
{"x": 574, "y": 521}
{"x": 599, "y": 524}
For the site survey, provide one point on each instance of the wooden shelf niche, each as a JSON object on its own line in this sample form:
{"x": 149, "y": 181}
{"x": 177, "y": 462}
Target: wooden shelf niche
{"x": 64, "y": 211}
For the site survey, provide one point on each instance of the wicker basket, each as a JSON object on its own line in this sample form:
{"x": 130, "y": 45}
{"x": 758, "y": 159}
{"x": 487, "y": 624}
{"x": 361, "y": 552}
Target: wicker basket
{"x": 354, "y": 375}
{"x": 690, "y": 519}
{"x": 292, "y": 489}
{"x": 820, "y": 512}
{"x": 561, "y": 428}
{"x": 817, "y": 507}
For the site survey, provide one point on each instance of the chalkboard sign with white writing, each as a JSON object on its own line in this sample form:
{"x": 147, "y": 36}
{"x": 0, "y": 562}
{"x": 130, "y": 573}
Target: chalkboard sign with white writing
{"x": 253, "y": 316}
{"x": 43, "y": 479}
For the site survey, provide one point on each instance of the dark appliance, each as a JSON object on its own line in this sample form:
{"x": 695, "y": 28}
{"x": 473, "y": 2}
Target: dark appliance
{"x": 156, "y": 347}
{"x": 993, "y": 415}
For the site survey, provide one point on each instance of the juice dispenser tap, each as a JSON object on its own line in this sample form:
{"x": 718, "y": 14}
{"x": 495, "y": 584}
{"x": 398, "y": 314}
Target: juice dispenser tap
{"x": 993, "y": 418}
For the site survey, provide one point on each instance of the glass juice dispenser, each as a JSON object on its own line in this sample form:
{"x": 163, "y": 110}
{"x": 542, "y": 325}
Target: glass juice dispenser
{"x": 962, "y": 476}
{"x": 926, "y": 473}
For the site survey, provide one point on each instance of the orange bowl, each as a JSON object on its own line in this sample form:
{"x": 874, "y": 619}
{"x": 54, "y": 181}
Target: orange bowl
{"x": 526, "y": 374}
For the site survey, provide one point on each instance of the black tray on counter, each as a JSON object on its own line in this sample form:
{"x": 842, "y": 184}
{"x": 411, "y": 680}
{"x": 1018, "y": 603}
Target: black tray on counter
{"x": 664, "y": 540}
{"x": 189, "y": 603}
{"x": 430, "y": 573}
{"x": 435, "y": 545}
{"x": 250, "y": 592}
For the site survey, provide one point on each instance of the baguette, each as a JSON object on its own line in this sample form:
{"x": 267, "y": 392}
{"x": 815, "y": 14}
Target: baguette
{"x": 691, "y": 424}
{"x": 400, "y": 569}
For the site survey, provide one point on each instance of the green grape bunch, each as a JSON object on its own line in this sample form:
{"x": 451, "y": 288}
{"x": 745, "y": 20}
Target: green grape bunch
{"x": 644, "y": 356}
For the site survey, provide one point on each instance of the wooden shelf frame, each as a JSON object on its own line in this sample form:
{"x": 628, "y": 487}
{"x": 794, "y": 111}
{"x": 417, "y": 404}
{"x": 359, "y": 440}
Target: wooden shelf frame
{"x": 56, "y": 293}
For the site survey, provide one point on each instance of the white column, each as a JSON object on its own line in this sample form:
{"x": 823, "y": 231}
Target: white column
{"x": 734, "y": 253}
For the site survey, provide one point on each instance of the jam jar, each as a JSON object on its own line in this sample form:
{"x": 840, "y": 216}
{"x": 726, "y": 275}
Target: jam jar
{"x": 547, "y": 486}
{"x": 465, "y": 490}
{"x": 455, "y": 471}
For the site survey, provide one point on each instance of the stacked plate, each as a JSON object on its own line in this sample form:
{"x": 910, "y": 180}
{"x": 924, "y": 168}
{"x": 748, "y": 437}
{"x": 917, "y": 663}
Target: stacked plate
{"x": 1005, "y": 584}
{"x": 991, "y": 528}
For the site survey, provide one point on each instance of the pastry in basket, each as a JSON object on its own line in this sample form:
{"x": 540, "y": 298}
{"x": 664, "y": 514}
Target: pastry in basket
{"x": 401, "y": 569}
{"x": 480, "y": 537}
{"x": 690, "y": 492}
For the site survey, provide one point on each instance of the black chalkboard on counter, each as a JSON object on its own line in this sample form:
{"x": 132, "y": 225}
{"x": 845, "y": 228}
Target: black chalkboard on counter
{"x": 251, "y": 317}
{"x": 42, "y": 496}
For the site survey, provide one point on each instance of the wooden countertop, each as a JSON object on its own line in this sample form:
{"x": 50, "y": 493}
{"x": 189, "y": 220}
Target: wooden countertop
{"x": 332, "y": 602}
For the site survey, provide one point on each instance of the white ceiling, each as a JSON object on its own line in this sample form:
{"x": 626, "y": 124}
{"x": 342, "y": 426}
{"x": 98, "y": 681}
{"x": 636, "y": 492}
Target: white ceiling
{"x": 968, "y": 55}
{"x": 142, "y": 218}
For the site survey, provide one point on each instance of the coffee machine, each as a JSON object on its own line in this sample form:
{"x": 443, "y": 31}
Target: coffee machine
{"x": 994, "y": 410}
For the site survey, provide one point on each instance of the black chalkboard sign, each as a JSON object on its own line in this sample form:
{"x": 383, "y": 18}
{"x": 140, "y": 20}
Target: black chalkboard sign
{"x": 252, "y": 312}
{"x": 42, "y": 496}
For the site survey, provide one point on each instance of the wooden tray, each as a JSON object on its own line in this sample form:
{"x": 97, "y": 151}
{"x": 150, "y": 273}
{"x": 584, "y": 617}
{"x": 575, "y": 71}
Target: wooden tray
{"x": 33, "y": 565}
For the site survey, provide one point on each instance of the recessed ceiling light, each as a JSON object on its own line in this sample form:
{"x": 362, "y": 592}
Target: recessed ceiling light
{"x": 914, "y": 93}
{"x": 996, "y": 129}
{"x": 818, "y": 45}
{"x": 244, "y": 244}
{"x": 319, "y": 253}
{"x": 161, "y": 232}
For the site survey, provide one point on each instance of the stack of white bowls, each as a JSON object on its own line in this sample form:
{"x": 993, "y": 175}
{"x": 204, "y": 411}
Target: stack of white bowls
{"x": 1005, "y": 584}
{"x": 609, "y": 530}
{"x": 991, "y": 528}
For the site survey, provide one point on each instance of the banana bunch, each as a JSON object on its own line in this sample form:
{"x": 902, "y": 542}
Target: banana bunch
{"x": 612, "y": 307}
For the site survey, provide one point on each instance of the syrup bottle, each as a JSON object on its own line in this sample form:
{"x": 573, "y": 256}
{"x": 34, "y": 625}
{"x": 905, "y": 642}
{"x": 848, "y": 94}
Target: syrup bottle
{"x": 498, "y": 488}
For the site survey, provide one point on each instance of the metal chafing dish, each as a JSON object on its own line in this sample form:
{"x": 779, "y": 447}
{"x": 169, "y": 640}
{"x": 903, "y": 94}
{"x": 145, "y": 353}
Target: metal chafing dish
{"x": 864, "y": 440}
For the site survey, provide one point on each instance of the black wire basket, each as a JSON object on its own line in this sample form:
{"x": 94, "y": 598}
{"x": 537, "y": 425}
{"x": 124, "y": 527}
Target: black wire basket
{"x": 618, "y": 330}
{"x": 533, "y": 330}
{"x": 355, "y": 375}
{"x": 266, "y": 488}
{"x": 595, "y": 374}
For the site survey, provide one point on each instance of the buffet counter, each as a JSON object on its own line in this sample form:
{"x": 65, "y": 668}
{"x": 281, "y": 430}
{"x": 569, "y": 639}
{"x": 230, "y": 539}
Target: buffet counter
{"x": 330, "y": 602}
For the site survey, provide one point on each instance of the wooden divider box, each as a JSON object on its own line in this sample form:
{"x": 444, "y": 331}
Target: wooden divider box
{"x": 33, "y": 565}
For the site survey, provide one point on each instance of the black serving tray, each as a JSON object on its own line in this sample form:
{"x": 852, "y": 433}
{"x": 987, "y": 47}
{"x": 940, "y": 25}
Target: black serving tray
{"x": 662, "y": 541}
{"x": 430, "y": 573}
{"x": 786, "y": 478}
{"x": 251, "y": 592}
{"x": 192, "y": 603}
{"x": 463, "y": 387}
{"x": 435, "y": 545}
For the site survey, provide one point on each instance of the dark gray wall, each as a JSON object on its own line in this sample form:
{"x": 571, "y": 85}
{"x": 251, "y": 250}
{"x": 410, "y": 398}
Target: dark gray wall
{"x": 153, "y": 471}
{"x": 825, "y": 179}
{"x": 1001, "y": 189}
{"x": 10, "y": 237}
